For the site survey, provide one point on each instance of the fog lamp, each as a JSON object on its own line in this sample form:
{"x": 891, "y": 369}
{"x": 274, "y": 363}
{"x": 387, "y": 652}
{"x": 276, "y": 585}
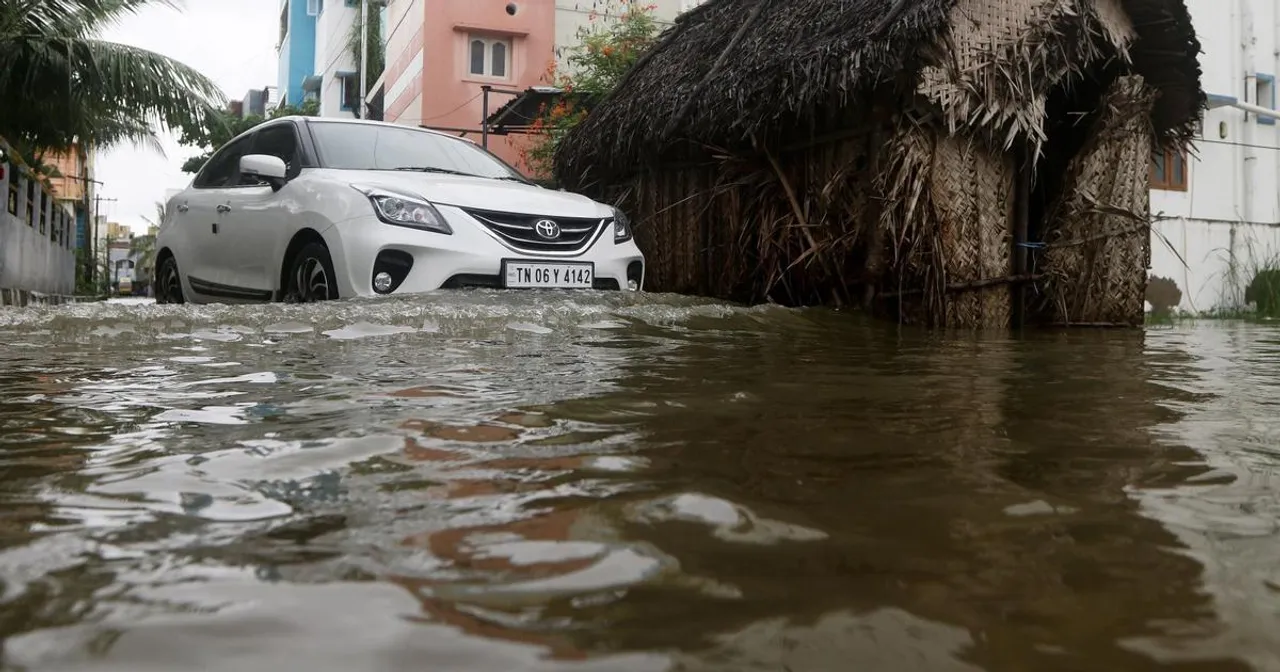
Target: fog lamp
{"x": 382, "y": 282}
{"x": 632, "y": 285}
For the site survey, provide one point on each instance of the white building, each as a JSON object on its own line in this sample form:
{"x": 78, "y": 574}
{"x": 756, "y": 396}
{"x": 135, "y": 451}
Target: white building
{"x": 337, "y": 68}
{"x": 317, "y": 60}
{"x": 1222, "y": 198}
{"x": 574, "y": 15}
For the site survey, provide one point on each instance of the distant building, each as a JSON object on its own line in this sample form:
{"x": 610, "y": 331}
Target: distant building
{"x": 120, "y": 261}
{"x": 441, "y": 52}
{"x": 75, "y": 190}
{"x": 117, "y": 231}
{"x": 255, "y": 103}
{"x": 1219, "y": 203}
{"x": 36, "y": 225}
{"x": 316, "y": 59}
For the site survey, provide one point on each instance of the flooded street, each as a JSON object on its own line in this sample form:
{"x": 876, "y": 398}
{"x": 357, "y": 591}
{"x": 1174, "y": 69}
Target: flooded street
{"x": 481, "y": 481}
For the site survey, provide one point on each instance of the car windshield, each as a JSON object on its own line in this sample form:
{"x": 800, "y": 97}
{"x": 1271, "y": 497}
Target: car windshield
{"x": 375, "y": 147}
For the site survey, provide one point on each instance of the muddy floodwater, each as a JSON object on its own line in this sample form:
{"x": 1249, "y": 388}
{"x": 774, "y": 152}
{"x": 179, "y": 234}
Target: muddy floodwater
{"x": 479, "y": 481}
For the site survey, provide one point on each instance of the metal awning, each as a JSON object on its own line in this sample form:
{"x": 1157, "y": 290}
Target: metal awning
{"x": 312, "y": 83}
{"x": 519, "y": 112}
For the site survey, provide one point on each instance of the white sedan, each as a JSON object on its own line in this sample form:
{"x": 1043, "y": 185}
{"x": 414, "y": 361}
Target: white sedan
{"x": 309, "y": 209}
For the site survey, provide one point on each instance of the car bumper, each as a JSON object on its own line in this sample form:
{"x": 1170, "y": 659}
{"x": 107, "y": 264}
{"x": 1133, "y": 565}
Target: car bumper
{"x": 469, "y": 257}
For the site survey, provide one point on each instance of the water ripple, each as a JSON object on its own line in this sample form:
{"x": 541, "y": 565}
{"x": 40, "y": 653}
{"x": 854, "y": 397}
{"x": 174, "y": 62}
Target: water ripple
{"x": 489, "y": 480}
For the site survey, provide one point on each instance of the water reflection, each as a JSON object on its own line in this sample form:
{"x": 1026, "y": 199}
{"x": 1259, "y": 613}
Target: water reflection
{"x": 478, "y": 481}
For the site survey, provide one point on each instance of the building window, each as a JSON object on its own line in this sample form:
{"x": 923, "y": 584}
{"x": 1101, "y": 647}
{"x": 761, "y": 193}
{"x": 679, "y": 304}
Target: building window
{"x": 314, "y": 7}
{"x": 31, "y": 202}
{"x": 350, "y": 90}
{"x": 1265, "y": 96}
{"x": 13, "y": 191}
{"x": 1169, "y": 170}
{"x": 488, "y": 56}
{"x": 44, "y": 213}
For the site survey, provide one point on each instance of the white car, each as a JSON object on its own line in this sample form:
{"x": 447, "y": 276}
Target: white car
{"x": 308, "y": 209}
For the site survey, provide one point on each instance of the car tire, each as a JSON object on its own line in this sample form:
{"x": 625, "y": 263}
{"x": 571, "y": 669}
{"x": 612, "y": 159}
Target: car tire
{"x": 311, "y": 276}
{"x": 168, "y": 288}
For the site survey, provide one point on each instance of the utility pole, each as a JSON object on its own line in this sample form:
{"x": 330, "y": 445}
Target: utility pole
{"x": 93, "y": 239}
{"x": 364, "y": 58}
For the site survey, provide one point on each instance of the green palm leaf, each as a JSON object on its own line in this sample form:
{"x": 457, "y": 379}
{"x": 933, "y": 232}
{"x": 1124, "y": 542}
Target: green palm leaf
{"x": 61, "y": 85}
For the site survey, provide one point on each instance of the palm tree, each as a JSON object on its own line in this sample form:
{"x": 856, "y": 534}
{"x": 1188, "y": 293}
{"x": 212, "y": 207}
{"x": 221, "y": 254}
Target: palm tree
{"x": 60, "y": 85}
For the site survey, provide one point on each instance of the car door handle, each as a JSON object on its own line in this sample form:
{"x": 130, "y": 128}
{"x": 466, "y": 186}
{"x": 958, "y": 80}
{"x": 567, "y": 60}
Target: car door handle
{"x": 214, "y": 226}
{"x": 182, "y": 208}
{"x": 222, "y": 207}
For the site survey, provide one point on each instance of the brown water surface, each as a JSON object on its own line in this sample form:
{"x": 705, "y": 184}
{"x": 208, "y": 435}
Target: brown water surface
{"x": 481, "y": 481}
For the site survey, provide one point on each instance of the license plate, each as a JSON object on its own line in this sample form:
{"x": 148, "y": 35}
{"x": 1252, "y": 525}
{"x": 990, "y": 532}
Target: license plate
{"x": 536, "y": 274}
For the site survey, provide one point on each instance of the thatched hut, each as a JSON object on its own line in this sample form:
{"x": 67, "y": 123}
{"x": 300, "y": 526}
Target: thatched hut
{"x": 952, "y": 162}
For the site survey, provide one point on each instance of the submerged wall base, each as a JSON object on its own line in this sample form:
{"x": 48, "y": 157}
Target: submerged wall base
{"x": 24, "y": 297}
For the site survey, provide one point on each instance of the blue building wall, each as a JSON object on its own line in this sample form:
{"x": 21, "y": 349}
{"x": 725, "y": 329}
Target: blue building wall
{"x": 297, "y": 52}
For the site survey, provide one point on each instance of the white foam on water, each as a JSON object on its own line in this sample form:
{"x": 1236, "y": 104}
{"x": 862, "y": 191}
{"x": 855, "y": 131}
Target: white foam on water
{"x": 531, "y": 328}
{"x": 366, "y": 330}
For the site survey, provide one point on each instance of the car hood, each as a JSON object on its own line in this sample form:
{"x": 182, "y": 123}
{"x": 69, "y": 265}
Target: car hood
{"x": 480, "y": 193}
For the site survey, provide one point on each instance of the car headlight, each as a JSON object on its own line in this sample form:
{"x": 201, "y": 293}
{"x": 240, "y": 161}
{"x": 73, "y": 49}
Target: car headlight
{"x": 621, "y": 227}
{"x": 405, "y": 210}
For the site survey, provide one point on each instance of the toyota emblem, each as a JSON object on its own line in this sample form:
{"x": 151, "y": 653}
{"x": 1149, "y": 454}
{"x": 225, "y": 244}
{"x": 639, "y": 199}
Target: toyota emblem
{"x": 547, "y": 229}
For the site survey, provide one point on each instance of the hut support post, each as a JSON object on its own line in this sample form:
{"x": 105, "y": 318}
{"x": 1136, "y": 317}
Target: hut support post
{"x": 1021, "y": 225}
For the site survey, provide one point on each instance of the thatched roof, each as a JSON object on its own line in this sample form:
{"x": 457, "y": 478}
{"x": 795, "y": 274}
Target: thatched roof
{"x": 731, "y": 68}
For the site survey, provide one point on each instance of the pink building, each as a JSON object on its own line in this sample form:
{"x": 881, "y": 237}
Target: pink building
{"x": 440, "y": 53}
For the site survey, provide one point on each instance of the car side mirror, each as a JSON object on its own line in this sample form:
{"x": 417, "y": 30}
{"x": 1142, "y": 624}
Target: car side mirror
{"x": 270, "y": 169}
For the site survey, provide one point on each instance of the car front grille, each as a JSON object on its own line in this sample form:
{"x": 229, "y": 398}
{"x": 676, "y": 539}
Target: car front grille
{"x": 521, "y": 232}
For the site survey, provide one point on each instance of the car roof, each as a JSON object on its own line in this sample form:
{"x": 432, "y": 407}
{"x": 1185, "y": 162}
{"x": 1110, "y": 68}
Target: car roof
{"x": 366, "y": 122}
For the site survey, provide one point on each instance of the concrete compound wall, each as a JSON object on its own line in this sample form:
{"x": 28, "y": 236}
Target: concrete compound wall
{"x": 36, "y": 254}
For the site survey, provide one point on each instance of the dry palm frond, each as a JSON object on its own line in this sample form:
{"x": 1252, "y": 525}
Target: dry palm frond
{"x": 797, "y": 59}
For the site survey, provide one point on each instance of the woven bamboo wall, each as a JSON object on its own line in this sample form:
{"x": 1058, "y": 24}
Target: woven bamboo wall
{"x": 788, "y": 225}
{"x": 947, "y": 223}
{"x": 1004, "y": 56}
{"x": 1098, "y": 237}
{"x": 927, "y": 220}
{"x": 973, "y": 188}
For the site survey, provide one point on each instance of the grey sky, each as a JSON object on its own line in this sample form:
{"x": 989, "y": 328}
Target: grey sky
{"x": 232, "y": 42}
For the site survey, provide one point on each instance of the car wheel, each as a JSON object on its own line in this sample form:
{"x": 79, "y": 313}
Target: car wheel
{"x": 169, "y": 282}
{"x": 311, "y": 276}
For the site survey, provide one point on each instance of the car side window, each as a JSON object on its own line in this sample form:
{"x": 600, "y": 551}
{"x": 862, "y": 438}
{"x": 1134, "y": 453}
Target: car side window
{"x": 223, "y": 169}
{"x": 280, "y": 140}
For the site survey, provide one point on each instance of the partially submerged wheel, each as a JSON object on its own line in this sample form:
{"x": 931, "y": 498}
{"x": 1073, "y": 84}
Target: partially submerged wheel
{"x": 168, "y": 282}
{"x": 311, "y": 276}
